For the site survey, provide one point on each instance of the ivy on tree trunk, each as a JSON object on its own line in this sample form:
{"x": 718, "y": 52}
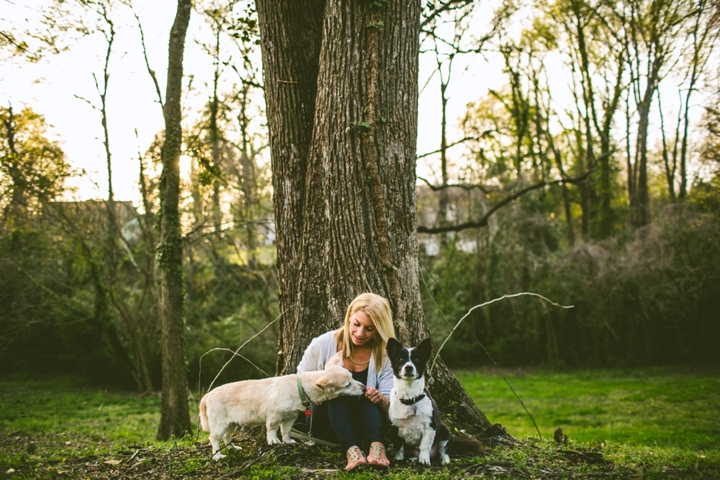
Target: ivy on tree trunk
{"x": 175, "y": 419}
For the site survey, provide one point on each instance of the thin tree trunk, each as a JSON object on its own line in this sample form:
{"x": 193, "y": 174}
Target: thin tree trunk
{"x": 642, "y": 212}
{"x": 215, "y": 138}
{"x": 629, "y": 165}
{"x": 566, "y": 199}
{"x": 246, "y": 177}
{"x": 18, "y": 206}
{"x": 669, "y": 170}
{"x": 175, "y": 419}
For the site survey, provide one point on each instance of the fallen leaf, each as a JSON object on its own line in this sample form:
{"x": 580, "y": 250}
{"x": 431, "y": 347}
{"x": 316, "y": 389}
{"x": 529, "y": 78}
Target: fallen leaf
{"x": 112, "y": 462}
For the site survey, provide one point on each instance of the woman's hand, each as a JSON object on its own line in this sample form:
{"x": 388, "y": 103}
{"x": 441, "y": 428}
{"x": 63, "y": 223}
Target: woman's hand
{"x": 376, "y": 397}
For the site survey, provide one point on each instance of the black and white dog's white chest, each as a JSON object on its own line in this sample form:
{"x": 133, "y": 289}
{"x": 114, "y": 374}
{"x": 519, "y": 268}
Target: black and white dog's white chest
{"x": 412, "y": 420}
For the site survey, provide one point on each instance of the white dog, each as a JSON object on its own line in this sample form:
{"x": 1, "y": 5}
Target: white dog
{"x": 273, "y": 402}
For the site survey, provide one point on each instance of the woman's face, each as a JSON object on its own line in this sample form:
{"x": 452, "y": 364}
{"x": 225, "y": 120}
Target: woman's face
{"x": 362, "y": 329}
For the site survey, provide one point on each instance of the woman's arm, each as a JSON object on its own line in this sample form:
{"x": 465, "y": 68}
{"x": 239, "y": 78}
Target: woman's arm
{"x": 317, "y": 353}
{"x": 311, "y": 358}
{"x": 385, "y": 379}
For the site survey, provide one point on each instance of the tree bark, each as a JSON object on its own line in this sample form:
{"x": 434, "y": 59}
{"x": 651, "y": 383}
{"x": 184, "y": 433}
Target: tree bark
{"x": 17, "y": 210}
{"x": 341, "y": 86}
{"x": 641, "y": 215}
{"x": 175, "y": 419}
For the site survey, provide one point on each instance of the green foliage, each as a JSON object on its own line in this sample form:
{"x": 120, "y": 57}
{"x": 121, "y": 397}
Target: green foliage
{"x": 227, "y": 305}
{"x": 55, "y": 306}
{"x": 649, "y": 297}
{"x": 55, "y": 320}
{"x": 33, "y": 168}
{"x": 706, "y": 195}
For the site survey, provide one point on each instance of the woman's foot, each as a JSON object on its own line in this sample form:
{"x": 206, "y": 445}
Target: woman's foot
{"x": 355, "y": 458}
{"x": 377, "y": 456}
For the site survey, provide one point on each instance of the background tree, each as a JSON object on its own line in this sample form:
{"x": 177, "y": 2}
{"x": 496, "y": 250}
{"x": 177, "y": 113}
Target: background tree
{"x": 698, "y": 40}
{"x": 175, "y": 419}
{"x": 33, "y": 168}
{"x": 649, "y": 31}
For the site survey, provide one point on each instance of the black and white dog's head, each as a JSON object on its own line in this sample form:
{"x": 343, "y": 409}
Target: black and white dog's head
{"x": 408, "y": 363}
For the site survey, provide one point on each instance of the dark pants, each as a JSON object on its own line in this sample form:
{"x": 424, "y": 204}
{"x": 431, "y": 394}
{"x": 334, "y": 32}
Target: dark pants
{"x": 348, "y": 421}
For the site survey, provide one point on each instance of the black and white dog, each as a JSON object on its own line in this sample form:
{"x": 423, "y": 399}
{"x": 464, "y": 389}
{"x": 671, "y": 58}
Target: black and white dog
{"x": 413, "y": 412}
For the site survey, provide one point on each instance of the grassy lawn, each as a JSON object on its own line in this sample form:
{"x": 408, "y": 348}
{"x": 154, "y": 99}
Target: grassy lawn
{"x": 644, "y": 422}
{"x": 665, "y": 415}
{"x": 54, "y": 418}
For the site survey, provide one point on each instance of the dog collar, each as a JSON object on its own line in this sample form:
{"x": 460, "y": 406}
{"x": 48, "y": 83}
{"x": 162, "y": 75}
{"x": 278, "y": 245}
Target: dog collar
{"x": 303, "y": 396}
{"x": 411, "y": 401}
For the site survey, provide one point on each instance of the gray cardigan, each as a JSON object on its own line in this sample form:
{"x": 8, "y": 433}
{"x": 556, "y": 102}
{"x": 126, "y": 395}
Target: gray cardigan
{"x": 322, "y": 348}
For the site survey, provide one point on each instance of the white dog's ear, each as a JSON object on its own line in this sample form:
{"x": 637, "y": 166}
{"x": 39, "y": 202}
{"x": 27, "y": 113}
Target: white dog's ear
{"x": 335, "y": 361}
{"x": 324, "y": 382}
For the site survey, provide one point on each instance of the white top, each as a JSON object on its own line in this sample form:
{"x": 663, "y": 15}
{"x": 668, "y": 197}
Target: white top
{"x": 322, "y": 348}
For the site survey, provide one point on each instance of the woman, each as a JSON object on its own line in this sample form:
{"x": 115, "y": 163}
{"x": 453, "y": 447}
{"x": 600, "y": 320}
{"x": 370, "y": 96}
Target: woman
{"x": 357, "y": 422}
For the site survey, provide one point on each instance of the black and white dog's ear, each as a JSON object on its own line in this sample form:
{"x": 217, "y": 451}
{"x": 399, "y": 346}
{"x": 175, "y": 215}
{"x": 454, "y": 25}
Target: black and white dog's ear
{"x": 393, "y": 347}
{"x": 424, "y": 348}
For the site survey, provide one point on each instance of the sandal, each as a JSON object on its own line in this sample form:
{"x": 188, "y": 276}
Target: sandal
{"x": 355, "y": 458}
{"x": 377, "y": 451}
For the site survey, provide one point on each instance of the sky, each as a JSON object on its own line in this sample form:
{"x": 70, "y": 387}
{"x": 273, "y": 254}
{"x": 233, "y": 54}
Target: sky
{"x": 52, "y": 87}
{"x": 62, "y": 88}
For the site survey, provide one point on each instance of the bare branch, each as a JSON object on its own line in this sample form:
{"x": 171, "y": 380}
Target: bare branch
{"x": 436, "y": 188}
{"x": 484, "y": 220}
{"x": 445, "y": 7}
{"x": 158, "y": 91}
{"x": 449, "y": 146}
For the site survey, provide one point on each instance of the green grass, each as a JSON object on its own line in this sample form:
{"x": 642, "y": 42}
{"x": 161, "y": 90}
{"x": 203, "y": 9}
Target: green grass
{"x": 649, "y": 407}
{"x": 648, "y": 422}
{"x": 667, "y": 416}
{"x": 59, "y": 417}
{"x": 68, "y": 405}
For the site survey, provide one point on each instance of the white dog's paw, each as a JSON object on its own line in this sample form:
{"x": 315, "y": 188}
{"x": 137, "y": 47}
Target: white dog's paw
{"x": 445, "y": 459}
{"x": 400, "y": 455}
{"x": 290, "y": 440}
{"x": 424, "y": 458}
{"x": 218, "y": 456}
{"x": 273, "y": 441}
{"x": 236, "y": 447}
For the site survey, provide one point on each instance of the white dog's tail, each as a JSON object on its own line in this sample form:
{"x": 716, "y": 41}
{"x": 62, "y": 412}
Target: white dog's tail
{"x": 203, "y": 416}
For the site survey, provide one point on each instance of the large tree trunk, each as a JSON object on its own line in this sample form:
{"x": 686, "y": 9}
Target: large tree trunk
{"x": 341, "y": 93}
{"x": 175, "y": 419}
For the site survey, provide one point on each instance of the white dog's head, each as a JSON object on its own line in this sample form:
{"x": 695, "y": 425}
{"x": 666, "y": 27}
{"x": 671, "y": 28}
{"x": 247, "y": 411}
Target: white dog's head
{"x": 337, "y": 381}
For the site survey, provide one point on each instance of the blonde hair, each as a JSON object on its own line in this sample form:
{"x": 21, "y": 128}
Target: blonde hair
{"x": 377, "y": 308}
